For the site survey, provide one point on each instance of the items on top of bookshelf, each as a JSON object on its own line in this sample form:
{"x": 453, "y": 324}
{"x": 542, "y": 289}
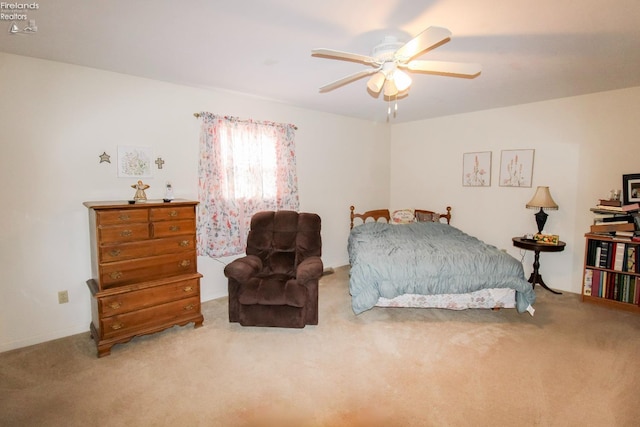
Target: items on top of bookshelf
{"x": 610, "y": 202}
{"x": 608, "y": 227}
{"x": 632, "y": 207}
{"x": 630, "y": 188}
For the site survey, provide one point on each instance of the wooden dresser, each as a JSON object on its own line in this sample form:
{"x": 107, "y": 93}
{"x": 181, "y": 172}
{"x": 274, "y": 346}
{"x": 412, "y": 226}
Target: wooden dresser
{"x": 144, "y": 269}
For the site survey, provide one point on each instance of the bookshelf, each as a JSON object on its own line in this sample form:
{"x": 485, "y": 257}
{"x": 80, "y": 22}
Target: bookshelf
{"x": 611, "y": 274}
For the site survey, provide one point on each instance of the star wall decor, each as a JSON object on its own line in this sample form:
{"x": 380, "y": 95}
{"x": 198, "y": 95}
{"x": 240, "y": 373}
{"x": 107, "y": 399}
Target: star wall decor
{"x": 104, "y": 157}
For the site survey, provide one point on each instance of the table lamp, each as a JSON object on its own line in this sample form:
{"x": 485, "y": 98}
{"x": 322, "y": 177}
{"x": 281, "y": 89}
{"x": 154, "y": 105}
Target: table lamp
{"x": 543, "y": 200}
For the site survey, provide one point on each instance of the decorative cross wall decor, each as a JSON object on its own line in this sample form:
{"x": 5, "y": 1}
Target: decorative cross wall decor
{"x": 159, "y": 162}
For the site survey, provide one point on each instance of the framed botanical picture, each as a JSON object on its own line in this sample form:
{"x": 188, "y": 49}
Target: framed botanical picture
{"x": 631, "y": 188}
{"x": 476, "y": 169}
{"x": 134, "y": 162}
{"x": 516, "y": 168}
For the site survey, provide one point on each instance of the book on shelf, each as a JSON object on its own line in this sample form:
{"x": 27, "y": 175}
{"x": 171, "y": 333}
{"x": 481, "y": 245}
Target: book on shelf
{"x": 632, "y": 207}
{"x": 627, "y": 235}
{"x": 619, "y": 218}
{"x": 630, "y": 259}
{"x": 595, "y": 283}
{"x": 588, "y": 281}
{"x": 606, "y": 212}
{"x": 614, "y": 255}
{"x": 612, "y": 228}
{"x": 609, "y": 202}
{"x": 618, "y": 256}
{"x": 604, "y": 255}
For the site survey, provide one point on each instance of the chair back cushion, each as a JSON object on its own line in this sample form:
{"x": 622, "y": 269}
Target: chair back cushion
{"x": 283, "y": 239}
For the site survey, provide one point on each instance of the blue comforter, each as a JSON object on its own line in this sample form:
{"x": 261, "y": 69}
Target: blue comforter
{"x": 427, "y": 258}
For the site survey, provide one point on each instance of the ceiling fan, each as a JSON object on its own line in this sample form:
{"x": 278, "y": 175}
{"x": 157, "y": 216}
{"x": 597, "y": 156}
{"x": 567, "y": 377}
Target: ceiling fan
{"x": 392, "y": 56}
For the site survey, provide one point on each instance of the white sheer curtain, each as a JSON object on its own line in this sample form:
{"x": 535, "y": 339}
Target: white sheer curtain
{"x": 245, "y": 167}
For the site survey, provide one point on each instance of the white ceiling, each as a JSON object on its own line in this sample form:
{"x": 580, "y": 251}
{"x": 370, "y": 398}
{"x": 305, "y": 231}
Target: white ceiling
{"x": 529, "y": 50}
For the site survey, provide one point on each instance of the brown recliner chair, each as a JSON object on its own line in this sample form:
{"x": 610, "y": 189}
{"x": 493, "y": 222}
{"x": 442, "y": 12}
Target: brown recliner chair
{"x": 276, "y": 283}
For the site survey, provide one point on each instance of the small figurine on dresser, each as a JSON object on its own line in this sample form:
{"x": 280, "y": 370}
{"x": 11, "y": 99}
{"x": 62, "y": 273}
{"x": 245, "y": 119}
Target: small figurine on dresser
{"x": 140, "y": 195}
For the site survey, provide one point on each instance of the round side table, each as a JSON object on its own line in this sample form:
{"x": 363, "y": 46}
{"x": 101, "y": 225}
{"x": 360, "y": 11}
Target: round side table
{"x": 532, "y": 245}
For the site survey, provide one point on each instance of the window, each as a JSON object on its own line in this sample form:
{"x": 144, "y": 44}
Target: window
{"x": 245, "y": 167}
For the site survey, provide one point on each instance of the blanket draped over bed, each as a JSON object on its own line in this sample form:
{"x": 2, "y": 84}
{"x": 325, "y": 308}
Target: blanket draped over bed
{"x": 388, "y": 260}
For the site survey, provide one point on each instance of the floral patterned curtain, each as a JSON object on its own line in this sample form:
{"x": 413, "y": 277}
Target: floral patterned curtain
{"x": 245, "y": 167}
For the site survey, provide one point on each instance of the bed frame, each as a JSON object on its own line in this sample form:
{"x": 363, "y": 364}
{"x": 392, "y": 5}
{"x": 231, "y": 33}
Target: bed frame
{"x": 377, "y": 214}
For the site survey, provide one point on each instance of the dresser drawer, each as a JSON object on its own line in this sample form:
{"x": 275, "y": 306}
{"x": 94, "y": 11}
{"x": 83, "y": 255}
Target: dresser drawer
{"x": 173, "y": 228}
{"x": 149, "y": 297}
{"x": 172, "y": 245}
{"x": 124, "y": 251}
{"x": 131, "y": 250}
{"x": 172, "y": 213}
{"x": 139, "y": 270}
{"x": 123, "y": 233}
{"x": 132, "y": 322}
{"x": 125, "y": 216}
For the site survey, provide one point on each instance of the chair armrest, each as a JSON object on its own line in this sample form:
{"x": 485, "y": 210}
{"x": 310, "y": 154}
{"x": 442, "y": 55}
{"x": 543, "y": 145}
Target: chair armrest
{"x": 309, "y": 269}
{"x": 242, "y": 269}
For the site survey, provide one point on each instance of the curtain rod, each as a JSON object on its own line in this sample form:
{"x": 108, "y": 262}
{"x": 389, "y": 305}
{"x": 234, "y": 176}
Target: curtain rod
{"x": 197, "y": 116}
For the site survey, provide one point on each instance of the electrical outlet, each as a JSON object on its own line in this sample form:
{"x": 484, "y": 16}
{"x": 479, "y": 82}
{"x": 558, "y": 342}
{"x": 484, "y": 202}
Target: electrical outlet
{"x": 63, "y": 297}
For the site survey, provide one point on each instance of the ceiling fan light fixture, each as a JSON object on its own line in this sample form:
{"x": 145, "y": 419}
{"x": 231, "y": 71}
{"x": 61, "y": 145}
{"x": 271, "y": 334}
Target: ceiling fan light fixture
{"x": 390, "y": 88}
{"x": 402, "y": 80}
{"x": 376, "y": 82}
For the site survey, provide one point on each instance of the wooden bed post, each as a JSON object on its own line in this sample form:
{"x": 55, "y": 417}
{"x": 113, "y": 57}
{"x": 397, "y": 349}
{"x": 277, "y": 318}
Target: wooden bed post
{"x": 352, "y": 208}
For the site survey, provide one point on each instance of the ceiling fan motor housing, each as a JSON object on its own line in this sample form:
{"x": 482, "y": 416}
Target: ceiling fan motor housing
{"x": 385, "y": 51}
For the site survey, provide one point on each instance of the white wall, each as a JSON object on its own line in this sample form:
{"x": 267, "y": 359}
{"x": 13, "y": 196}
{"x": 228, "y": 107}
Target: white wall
{"x": 56, "y": 120}
{"x": 583, "y": 145}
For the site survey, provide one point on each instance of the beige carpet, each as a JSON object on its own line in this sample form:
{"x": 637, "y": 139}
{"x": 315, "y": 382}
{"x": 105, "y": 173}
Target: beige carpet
{"x": 572, "y": 364}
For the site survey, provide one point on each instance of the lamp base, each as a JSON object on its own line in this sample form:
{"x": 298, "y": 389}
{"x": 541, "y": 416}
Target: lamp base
{"x": 541, "y": 219}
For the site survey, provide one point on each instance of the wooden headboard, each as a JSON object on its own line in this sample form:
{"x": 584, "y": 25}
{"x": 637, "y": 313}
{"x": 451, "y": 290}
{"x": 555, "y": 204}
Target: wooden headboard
{"x": 384, "y": 213}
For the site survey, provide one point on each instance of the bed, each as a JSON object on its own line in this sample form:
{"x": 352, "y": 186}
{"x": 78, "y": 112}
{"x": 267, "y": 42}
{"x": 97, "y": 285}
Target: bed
{"x": 415, "y": 258}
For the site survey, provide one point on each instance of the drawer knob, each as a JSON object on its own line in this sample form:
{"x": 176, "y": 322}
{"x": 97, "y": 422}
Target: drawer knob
{"x": 188, "y": 288}
{"x": 124, "y": 217}
{"x": 126, "y": 233}
{"x": 189, "y": 307}
{"x": 116, "y": 275}
{"x": 117, "y": 326}
{"x": 185, "y": 263}
{"x": 185, "y": 243}
{"x": 115, "y": 305}
{"x": 173, "y": 213}
{"x": 114, "y": 252}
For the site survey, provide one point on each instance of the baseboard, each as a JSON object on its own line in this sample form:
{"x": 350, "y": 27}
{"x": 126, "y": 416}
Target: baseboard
{"x": 39, "y": 339}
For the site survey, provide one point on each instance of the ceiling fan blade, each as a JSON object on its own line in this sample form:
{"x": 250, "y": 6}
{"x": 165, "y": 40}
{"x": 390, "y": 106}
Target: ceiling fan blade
{"x": 347, "y": 79}
{"x": 347, "y": 56}
{"x": 428, "y": 39}
{"x": 444, "y": 67}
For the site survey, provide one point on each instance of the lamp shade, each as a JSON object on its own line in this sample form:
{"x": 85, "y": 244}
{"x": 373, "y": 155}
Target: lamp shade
{"x": 542, "y": 199}
{"x": 376, "y": 81}
{"x": 402, "y": 80}
{"x": 390, "y": 88}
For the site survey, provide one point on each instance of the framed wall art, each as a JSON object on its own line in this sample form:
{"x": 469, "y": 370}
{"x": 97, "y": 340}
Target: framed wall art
{"x": 476, "y": 169}
{"x": 516, "y": 168}
{"x": 134, "y": 162}
{"x": 631, "y": 188}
